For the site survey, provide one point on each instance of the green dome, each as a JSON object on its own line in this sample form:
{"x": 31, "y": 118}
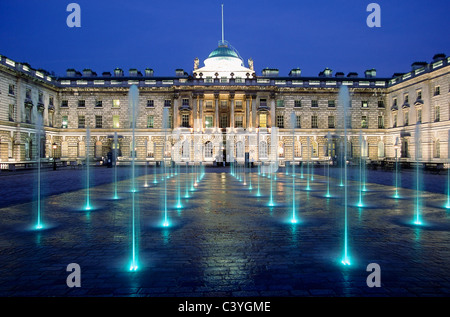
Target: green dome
{"x": 223, "y": 51}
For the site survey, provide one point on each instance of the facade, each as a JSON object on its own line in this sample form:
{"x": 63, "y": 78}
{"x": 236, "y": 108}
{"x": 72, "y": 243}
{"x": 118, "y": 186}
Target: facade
{"x": 223, "y": 111}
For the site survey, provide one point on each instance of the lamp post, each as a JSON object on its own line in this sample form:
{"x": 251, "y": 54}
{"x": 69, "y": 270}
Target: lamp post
{"x": 54, "y": 146}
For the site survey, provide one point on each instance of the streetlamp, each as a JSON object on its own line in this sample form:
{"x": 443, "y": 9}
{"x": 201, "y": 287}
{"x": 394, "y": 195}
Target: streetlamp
{"x": 54, "y": 147}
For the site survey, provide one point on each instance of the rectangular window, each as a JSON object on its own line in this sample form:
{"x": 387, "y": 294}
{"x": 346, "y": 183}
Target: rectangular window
{"x": 394, "y": 121}
{"x": 394, "y": 101}
{"x": 380, "y": 122}
{"x": 437, "y": 91}
{"x": 280, "y": 121}
{"x": 263, "y": 120}
{"x": 81, "y": 122}
{"x": 170, "y": 123}
{"x": 98, "y": 122}
{"x": 314, "y": 104}
{"x": 280, "y": 103}
{"x": 81, "y": 103}
{"x": 419, "y": 115}
{"x": 28, "y": 93}
{"x": 11, "y": 89}
{"x": 185, "y": 121}
{"x": 150, "y": 120}
{"x": 116, "y": 121}
{"x": 167, "y": 103}
{"x": 209, "y": 104}
{"x": 50, "y": 101}
{"x": 65, "y": 122}
{"x": 223, "y": 121}
{"x": 98, "y": 103}
{"x": 223, "y": 104}
{"x": 41, "y": 97}
{"x": 331, "y": 103}
{"x": 263, "y": 103}
{"x": 314, "y": 122}
{"x": 380, "y": 104}
{"x": 331, "y": 122}
{"x": 406, "y": 118}
{"x": 238, "y": 104}
{"x": 298, "y": 122}
{"x": 419, "y": 94}
{"x": 64, "y": 103}
{"x": 150, "y": 103}
{"x": 11, "y": 113}
{"x": 208, "y": 121}
{"x": 238, "y": 121}
{"x": 364, "y": 124}
{"x": 185, "y": 102}
{"x": 116, "y": 103}
{"x": 297, "y": 103}
{"x": 406, "y": 98}
{"x": 209, "y": 79}
{"x": 364, "y": 104}
{"x": 437, "y": 114}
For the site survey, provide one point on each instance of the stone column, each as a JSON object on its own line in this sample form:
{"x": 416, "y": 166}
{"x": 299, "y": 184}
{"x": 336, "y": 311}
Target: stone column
{"x": 216, "y": 111}
{"x": 176, "y": 106}
{"x": 232, "y": 110}
{"x": 200, "y": 110}
{"x": 194, "y": 111}
{"x": 272, "y": 111}
{"x": 247, "y": 123}
{"x": 253, "y": 111}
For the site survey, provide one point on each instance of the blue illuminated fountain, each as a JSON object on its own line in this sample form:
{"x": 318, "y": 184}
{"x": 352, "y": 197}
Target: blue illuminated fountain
{"x": 361, "y": 180}
{"x": 258, "y": 193}
{"x": 186, "y": 180}
{"x": 418, "y": 207}
{"x": 307, "y": 165}
{"x": 328, "y": 195}
{"x": 271, "y": 202}
{"x": 396, "y": 147}
{"x": 39, "y": 132}
{"x": 447, "y": 205}
{"x": 344, "y": 102}
{"x": 88, "y": 206}
{"x": 133, "y": 102}
{"x": 165, "y": 126}
{"x": 114, "y": 159}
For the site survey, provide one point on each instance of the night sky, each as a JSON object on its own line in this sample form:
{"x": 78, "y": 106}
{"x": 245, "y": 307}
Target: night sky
{"x": 166, "y": 35}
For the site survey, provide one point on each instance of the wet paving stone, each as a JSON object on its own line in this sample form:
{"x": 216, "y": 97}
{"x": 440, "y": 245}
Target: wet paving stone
{"x": 225, "y": 241}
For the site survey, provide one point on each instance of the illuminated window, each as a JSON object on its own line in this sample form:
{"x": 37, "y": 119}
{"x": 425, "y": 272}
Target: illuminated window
{"x": 185, "y": 121}
{"x": 263, "y": 120}
{"x": 223, "y": 121}
{"x": 208, "y": 149}
{"x": 116, "y": 103}
{"x": 364, "y": 124}
{"x": 208, "y": 121}
{"x": 263, "y": 149}
{"x": 116, "y": 124}
{"x": 65, "y": 122}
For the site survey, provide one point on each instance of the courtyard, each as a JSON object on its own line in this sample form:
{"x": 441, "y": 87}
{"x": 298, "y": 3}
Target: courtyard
{"x": 224, "y": 240}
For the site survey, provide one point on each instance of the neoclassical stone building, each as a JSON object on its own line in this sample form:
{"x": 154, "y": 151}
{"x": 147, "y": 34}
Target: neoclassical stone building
{"x": 224, "y": 111}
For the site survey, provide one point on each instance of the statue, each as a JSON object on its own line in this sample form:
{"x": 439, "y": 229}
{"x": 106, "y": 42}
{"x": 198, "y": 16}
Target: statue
{"x": 250, "y": 63}
{"x": 196, "y": 63}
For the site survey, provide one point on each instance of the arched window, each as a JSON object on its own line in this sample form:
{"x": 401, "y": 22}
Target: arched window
{"x": 263, "y": 149}
{"x": 239, "y": 149}
{"x": 208, "y": 149}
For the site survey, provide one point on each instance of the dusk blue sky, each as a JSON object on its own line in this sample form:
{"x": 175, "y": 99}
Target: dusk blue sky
{"x": 166, "y": 35}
